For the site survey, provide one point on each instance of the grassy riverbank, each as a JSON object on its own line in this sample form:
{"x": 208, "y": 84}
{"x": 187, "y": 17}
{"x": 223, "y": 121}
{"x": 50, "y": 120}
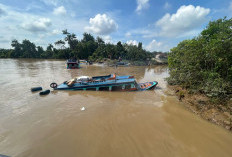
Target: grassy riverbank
{"x": 201, "y": 72}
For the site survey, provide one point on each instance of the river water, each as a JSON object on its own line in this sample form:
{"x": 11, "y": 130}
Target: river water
{"x": 113, "y": 124}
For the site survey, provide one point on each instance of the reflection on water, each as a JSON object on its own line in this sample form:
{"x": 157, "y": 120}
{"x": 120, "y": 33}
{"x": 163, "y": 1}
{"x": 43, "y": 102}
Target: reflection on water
{"x": 146, "y": 123}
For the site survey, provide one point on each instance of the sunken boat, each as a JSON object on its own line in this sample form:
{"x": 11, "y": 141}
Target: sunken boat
{"x": 110, "y": 82}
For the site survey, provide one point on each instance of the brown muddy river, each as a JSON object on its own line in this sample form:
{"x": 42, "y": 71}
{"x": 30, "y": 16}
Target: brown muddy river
{"x": 114, "y": 124}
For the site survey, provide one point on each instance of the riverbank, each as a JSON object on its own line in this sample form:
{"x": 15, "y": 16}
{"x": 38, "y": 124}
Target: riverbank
{"x": 132, "y": 63}
{"x": 201, "y": 105}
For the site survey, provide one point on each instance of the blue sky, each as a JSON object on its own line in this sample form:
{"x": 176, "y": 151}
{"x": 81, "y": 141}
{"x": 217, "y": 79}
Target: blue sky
{"x": 159, "y": 25}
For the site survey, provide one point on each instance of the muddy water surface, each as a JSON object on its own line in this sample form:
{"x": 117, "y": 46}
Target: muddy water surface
{"x": 128, "y": 124}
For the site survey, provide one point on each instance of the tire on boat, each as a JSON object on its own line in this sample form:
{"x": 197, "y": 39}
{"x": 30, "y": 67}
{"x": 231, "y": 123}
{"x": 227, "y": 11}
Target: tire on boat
{"x": 44, "y": 92}
{"x": 53, "y": 85}
{"x": 34, "y": 89}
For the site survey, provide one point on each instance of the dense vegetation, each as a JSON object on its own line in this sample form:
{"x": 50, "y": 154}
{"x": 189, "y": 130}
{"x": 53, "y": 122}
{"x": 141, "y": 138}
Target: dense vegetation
{"x": 86, "y": 48}
{"x": 204, "y": 64}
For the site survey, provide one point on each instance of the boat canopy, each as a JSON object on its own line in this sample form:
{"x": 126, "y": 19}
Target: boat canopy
{"x": 83, "y": 78}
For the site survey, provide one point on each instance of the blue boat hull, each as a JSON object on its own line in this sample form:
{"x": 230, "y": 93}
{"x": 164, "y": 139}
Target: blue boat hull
{"x": 112, "y": 86}
{"x": 147, "y": 85}
{"x": 108, "y": 82}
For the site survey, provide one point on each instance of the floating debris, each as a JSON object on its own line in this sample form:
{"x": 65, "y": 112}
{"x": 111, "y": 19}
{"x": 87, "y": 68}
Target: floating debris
{"x": 34, "y": 89}
{"x": 83, "y": 108}
{"x": 44, "y": 92}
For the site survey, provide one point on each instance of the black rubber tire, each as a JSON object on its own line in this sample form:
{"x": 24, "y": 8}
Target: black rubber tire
{"x": 53, "y": 85}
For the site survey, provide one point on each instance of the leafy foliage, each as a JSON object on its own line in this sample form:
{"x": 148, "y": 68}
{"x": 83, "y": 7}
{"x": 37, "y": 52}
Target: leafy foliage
{"x": 86, "y": 48}
{"x": 204, "y": 64}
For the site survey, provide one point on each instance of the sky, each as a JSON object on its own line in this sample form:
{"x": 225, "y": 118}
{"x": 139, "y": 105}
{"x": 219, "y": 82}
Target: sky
{"x": 159, "y": 25}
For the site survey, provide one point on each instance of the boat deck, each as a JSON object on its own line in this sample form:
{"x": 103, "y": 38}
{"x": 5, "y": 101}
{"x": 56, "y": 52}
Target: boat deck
{"x": 97, "y": 84}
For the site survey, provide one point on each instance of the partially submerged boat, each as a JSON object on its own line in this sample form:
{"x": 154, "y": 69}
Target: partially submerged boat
{"x": 83, "y": 62}
{"x": 109, "y": 82}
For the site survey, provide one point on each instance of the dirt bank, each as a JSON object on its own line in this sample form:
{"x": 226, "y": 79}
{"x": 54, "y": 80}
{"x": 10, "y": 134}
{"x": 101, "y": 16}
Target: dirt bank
{"x": 202, "y": 106}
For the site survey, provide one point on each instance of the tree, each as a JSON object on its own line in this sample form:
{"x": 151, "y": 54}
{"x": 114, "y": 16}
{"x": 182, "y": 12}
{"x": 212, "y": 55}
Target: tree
{"x": 70, "y": 38}
{"x": 60, "y": 43}
{"x": 140, "y": 46}
{"x": 85, "y": 48}
{"x": 204, "y": 64}
{"x": 17, "y": 49}
{"x": 39, "y": 51}
{"x": 87, "y": 37}
{"x": 100, "y": 41}
{"x": 49, "y": 52}
{"x": 28, "y": 49}
{"x": 120, "y": 50}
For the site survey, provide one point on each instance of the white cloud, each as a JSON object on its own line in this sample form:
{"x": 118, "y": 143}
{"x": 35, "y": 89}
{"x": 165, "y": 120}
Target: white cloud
{"x": 144, "y": 32}
{"x": 167, "y": 5}
{"x": 56, "y": 32}
{"x": 142, "y": 4}
{"x": 185, "y": 19}
{"x": 132, "y": 42}
{"x": 154, "y": 46}
{"x": 101, "y": 25}
{"x": 60, "y": 11}
{"x": 39, "y": 25}
{"x": 107, "y": 39}
{"x": 157, "y": 46}
{"x": 20, "y": 25}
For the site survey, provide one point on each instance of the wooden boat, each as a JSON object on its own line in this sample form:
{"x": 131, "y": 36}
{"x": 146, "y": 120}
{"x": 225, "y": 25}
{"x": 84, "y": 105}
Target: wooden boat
{"x": 72, "y": 64}
{"x": 109, "y": 82}
{"x": 83, "y": 62}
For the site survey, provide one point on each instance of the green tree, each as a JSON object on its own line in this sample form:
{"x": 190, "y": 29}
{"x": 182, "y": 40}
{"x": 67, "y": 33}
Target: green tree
{"x": 71, "y": 39}
{"x": 17, "y": 52}
{"x": 100, "y": 41}
{"x": 204, "y": 64}
{"x": 39, "y": 51}
{"x": 29, "y": 49}
{"x": 87, "y": 37}
{"x": 60, "y": 43}
{"x": 140, "y": 46}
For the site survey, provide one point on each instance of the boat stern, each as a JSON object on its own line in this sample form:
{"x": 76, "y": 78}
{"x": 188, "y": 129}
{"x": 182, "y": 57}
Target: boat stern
{"x": 147, "y": 85}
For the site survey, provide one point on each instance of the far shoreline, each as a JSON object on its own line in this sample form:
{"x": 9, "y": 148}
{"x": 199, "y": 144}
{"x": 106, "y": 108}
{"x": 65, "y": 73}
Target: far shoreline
{"x": 108, "y": 62}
